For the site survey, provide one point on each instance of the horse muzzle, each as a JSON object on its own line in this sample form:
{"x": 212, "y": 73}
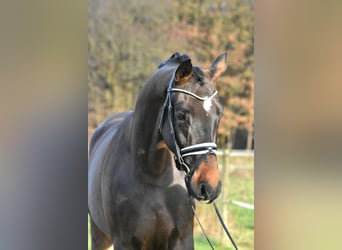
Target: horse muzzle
{"x": 206, "y": 192}
{"x": 205, "y": 182}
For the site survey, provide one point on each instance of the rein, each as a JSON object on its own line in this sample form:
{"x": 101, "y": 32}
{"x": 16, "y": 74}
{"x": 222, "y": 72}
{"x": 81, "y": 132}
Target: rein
{"x": 222, "y": 223}
{"x": 197, "y": 149}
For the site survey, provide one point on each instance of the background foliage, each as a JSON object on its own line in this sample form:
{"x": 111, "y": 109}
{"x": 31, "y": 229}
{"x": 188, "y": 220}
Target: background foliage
{"x": 127, "y": 39}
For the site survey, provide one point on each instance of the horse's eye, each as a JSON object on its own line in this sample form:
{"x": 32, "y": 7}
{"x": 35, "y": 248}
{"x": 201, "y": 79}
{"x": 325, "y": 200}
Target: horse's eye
{"x": 181, "y": 115}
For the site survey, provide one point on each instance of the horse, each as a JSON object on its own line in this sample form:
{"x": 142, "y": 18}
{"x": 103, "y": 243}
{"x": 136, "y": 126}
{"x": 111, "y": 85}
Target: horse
{"x": 148, "y": 167}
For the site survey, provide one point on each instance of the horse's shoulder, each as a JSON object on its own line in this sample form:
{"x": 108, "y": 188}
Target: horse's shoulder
{"x": 112, "y": 122}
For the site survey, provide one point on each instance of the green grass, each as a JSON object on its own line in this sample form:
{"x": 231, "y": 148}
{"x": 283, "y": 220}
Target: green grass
{"x": 202, "y": 244}
{"x": 238, "y": 185}
{"x": 89, "y": 235}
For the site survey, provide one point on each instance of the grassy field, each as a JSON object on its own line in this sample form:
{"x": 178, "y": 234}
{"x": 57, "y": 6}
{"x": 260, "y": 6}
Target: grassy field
{"x": 238, "y": 184}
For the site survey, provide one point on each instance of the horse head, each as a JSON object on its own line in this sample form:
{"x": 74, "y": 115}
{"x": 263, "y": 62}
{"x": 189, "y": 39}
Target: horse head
{"x": 189, "y": 120}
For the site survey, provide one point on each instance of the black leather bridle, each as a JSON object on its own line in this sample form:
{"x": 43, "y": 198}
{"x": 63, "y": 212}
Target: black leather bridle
{"x": 203, "y": 149}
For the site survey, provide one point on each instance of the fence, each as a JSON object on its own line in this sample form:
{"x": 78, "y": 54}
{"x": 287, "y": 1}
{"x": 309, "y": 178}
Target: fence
{"x": 228, "y": 164}
{"x": 236, "y": 201}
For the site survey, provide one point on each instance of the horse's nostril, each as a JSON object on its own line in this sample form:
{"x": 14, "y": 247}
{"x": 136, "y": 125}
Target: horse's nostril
{"x": 203, "y": 191}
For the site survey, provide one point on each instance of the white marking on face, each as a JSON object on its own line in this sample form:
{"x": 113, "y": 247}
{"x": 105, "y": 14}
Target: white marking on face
{"x": 207, "y": 104}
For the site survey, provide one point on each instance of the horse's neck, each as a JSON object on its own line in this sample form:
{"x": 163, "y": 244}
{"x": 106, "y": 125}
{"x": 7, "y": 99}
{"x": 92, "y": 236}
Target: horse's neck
{"x": 147, "y": 143}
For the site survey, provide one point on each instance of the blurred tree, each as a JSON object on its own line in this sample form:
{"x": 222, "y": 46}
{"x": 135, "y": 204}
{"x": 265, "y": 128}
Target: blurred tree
{"x": 127, "y": 39}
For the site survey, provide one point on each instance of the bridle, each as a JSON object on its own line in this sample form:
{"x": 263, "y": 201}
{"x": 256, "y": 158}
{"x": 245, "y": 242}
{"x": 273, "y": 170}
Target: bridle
{"x": 203, "y": 149}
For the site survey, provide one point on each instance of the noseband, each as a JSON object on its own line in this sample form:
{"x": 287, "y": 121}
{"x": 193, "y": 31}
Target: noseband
{"x": 196, "y": 149}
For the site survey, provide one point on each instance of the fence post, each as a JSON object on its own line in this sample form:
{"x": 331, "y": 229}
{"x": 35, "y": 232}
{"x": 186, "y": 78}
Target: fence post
{"x": 224, "y": 186}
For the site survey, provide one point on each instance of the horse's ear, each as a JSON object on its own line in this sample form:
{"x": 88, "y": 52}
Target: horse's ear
{"x": 219, "y": 66}
{"x": 183, "y": 72}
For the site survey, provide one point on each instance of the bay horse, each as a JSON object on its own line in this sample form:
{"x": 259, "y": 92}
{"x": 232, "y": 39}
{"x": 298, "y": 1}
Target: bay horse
{"x": 148, "y": 166}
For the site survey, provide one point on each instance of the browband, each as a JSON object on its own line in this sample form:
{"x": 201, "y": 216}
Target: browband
{"x": 192, "y": 94}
